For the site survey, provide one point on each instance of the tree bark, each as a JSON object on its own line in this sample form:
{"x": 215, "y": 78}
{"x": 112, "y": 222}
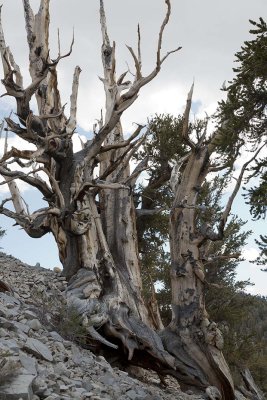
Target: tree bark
{"x": 194, "y": 341}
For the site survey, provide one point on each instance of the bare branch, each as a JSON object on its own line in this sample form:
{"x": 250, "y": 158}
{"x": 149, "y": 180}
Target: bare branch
{"x": 100, "y": 184}
{"x": 51, "y": 116}
{"x": 207, "y": 231}
{"x": 123, "y": 143}
{"x": 143, "y": 212}
{"x": 142, "y": 166}
{"x": 143, "y": 81}
{"x": 19, "y": 78}
{"x": 55, "y": 187}
{"x": 21, "y": 132}
{"x": 58, "y": 43}
{"x": 38, "y": 183}
{"x": 211, "y": 258}
{"x": 3, "y": 46}
{"x": 185, "y": 130}
{"x": 5, "y": 200}
{"x": 138, "y": 73}
{"x": 36, "y": 225}
{"x": 139, "y": 47}
{"x": 71, "y": 125}
{"x": 229, "y": 204}
{"x": 131, "y": 151}
{"x": 59, "y": 57}
{"x": 24, "y": 154}
{"x": 103, "y": 23}
{"x": 164, "y": 23}
{"x": 116, "y": 104}
{"x": 29, "y": 18}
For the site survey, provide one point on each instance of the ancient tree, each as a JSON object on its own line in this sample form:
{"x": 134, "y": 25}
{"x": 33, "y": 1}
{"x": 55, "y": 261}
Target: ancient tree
{"x": 91, "y": 209}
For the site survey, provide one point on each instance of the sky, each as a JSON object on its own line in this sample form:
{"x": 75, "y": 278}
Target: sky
{"x": 209, "y": 31}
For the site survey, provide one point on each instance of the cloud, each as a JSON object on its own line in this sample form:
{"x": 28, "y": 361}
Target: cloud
{"x": 250, "y": 253}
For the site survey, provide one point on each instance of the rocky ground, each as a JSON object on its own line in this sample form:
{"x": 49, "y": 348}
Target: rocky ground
{"x": 38, "y": 356}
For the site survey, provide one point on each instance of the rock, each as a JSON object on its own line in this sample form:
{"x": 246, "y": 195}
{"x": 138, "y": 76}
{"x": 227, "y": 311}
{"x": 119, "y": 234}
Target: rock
{"x": 35, "y": 324}
{"x": 19, "y": 388}
{"x": 37, "y": 348}
{"x": 21, "y": 327}
{"x": 29, "y": 363}
{"x": 54, "y": 335}
{"x": 3, "y": 332}
{"x": 134, "y": 395}
{"x": 29, "y": 314}
{"x": 9, "y": 345}
{"x": 50, "y": 367}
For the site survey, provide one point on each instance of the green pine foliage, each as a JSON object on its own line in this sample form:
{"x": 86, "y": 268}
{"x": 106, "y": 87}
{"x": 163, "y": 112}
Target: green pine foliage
{"x": 244, "y": 115}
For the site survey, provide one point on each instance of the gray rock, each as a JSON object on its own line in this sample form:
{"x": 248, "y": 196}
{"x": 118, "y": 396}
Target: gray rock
{"x": 28, "y": 363}
{"x": 4, "y": 312}
{"x": 61, "y": 369}
{"x": 9, "y": 345}
{"x": 136, "y": 395}
{"x": 18, "y": 326}
{"x": 54, "y": 335}
{"x": 35, "y": 324}
{"x": 87, "y": 385}
{"x": 39, "y": 386}
{"x": 29, "y": 314}
{"x": 107, "y": 379}
{"x": 38, "y": 349}
{"x": 79, "y": 391}
{"x": 19, "y": 388}
{"x": 9, "y": 301}
{"x": 3, "y": 332}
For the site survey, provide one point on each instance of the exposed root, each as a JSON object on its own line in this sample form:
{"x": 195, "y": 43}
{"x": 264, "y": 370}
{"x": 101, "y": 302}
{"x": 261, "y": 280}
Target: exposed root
{"x": 198, "y": 363}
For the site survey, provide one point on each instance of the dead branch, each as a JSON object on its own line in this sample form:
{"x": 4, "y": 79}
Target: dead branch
{"x": 35, "y": 182}
{"x": 56, "y": 61}
{"x": 100, "y": 184}
{"x": 22, "y": 154}
{"x": 123, "y": 143}
{"x": 117, "y": 103}
{"x": 55, "y": 187}
{"x": 143, "y": 212}
{"x": 185, "y": 130}
{"x": 134, "y": 146}
{"x": 71, "y": 125}
{"x": 142, "y": 166}
{"x": 229, "y": 204}
{"x": 211, "y": 258}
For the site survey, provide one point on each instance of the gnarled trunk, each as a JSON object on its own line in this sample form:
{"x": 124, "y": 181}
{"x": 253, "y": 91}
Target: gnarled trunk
{"x": 190, "y": 337}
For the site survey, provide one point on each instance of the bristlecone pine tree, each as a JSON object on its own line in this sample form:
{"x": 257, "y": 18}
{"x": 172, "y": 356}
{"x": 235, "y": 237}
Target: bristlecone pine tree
{"x": 93, "y": 219}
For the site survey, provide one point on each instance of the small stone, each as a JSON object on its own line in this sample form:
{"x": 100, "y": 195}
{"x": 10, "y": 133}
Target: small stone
{"x": 54, "y": 335}
{"x": 3, "y": 332}
{"x": 87, "y": 385}
{"x": 29, "y": 314}
{"x": 79, "y": 391}
{"x": 35, "y": 324}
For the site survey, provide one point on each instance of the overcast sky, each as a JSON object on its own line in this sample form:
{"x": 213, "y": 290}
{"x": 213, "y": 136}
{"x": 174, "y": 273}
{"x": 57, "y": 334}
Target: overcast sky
{"x": 209, "y": 31}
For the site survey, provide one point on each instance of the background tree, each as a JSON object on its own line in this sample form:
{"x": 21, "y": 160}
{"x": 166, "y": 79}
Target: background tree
{"x": 246, "y": 111}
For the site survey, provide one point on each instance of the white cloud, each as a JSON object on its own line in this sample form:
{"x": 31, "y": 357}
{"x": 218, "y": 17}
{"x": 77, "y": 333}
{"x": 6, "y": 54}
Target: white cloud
{"x": 250, "y": 253}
